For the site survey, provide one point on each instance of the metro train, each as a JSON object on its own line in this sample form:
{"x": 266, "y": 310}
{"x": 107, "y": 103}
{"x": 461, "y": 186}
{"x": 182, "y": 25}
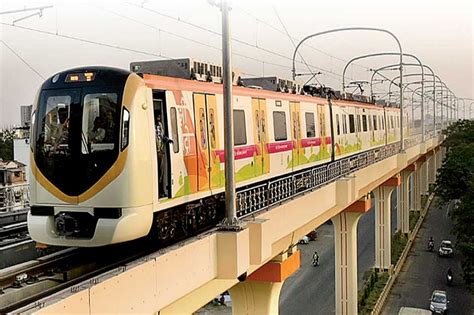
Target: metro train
{"x": 116, "y": 156}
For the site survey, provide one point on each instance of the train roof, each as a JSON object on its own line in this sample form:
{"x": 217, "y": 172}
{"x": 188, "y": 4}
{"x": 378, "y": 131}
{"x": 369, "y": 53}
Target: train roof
{"x": 93, "y": 75}
{"x": 171, "y": 83}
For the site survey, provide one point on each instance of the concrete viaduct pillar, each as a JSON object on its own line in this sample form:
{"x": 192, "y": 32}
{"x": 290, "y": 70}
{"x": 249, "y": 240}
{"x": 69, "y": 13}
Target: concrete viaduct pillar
{"x": 345, "y": 241}
{"x": 439, "y": 159}
{"x": 383, "y": 209}
{"x": 260, "y": 292}
{"x": 431, "y": 169}
{"x": 424, "y": 175}
{"x": 417, "y": 182}
{"x": 403, "y": 207}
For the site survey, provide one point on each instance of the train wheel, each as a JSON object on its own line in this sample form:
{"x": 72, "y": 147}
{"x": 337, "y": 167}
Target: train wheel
{"x": 162, "y": 226}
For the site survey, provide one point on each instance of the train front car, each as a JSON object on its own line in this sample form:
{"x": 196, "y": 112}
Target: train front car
{"x": 91, "y": 127}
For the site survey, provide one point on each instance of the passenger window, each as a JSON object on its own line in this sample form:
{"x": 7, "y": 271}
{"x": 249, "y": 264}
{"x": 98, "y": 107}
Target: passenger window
{"x": 240, "y": 135}
{"x": 337, "y": 125}
{"x": 375, "y": 122}
{"x": 279, "y": 126}
{"x": 351, "y": 124}
{"x": 310, "y": 126}
{"x": 364, "y": 122}
{"x": 125, "y": 127}
{"x": 174, "y": 130}
{"x": 359, "y": 125}
{"x": 344, "y": 124}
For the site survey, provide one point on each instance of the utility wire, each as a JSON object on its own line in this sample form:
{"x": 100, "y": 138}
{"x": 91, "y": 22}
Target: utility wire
{"x": 219, "y": 34}
{"x": 191, "y": 39}
{"x": 84, "y": 40}
{"x": 23, "y": 60}
{"x": 294, "y": 46}
{"x": 305, "y": 44}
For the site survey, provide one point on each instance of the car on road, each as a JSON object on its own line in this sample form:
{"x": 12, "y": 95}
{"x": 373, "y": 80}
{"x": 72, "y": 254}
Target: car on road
{"x": 413, "y": 311}
{"x": 439, "y": 302}
{"x": 304, "y": 240}
{"x": 311, "y": 236}
{"x": 445, "y": 249}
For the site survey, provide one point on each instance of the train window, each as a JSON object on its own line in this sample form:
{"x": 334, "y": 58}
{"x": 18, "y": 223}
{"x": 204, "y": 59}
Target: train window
{"x": 240, "y": 135}
{"x": 391, "y": 122}
{"x": 344, "y": 124}
{"x": 174, "y": 130}
{"x": 310, "y": 126}
{"x": 125, "y": 127}
{"x": 337, "y": 125}
{"x": 358, "y": 125}
{"x": 375, "y": 122}
{"x": 351, "y": 124}
{"x": 279, "y": 126}
{"x": 98, "y": 122}
{"x": 364, "y": 122}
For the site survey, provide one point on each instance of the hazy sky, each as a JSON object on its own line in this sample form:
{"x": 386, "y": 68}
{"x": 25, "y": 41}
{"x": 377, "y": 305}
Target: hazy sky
{"x": 114, "y": 33}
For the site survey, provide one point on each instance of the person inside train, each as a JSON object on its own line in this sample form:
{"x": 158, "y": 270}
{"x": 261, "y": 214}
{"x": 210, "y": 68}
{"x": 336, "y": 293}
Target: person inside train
{"x": 97, "y": 134}
{"x": 59, "y": 133}
{"x": 109, "y": 127}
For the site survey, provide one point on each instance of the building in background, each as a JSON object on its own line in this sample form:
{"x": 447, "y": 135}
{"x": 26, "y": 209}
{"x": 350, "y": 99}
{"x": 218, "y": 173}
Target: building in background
{"x": 14, "y": 194}
{"x": 25, "y": 112}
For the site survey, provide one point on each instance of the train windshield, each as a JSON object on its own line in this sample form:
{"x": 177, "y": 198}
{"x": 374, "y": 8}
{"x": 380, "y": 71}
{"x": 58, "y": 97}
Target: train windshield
{"x": 77, "y": 136}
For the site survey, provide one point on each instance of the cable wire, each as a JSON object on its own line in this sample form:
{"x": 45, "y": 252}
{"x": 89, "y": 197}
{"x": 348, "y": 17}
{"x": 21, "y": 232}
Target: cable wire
{"x": 23, "y": 60}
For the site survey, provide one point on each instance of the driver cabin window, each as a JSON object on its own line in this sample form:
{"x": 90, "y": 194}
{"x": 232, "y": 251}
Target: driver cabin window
{"x": 98, "y": 122}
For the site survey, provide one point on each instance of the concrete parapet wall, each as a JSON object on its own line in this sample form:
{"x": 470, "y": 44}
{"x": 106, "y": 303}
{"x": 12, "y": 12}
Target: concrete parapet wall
{"x": 186, "y": 276}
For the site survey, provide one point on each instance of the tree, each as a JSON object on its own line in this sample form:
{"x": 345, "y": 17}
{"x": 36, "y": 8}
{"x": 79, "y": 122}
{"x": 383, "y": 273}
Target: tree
{"x": 6, "y": 144}
{"x": 455, "y": 181}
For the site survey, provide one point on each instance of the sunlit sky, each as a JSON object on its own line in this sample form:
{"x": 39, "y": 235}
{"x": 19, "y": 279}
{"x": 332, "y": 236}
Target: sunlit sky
{"x": 115, "y": 33}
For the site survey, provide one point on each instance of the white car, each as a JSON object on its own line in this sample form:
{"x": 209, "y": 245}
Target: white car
{"x": 439, "y": 302}
{"x": 304, "y": 240}
{"x": 445, "y": 249}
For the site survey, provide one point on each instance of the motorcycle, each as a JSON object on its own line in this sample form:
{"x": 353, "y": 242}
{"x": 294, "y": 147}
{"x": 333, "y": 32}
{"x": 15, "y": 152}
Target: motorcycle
{"x": 449, "y": 279}
{"x": 430, "y": 246}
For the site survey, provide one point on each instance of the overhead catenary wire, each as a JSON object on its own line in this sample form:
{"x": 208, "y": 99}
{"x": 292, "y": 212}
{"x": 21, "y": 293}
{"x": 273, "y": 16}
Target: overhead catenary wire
{"x": 294, "y": 38}
{"x": 150, "y": 53}
{"x": 313, "y": 75}
{"x": 161, "y": 30}
{"x": 22, "y": 60}
{"x": 256, "y": 46}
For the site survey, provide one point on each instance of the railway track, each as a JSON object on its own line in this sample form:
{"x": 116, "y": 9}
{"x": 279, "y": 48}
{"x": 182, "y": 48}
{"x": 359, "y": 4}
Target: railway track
{"x": 11, "y": 217}
{"x": 26, "y": 283}
{"x": 13, "y": 234}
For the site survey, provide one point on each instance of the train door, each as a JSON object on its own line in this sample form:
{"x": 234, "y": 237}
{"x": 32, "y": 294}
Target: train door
{"x": 162, "y": 145}
{"x": 205, "y": 115}
{"x": 262, "y": 160}
{"x": 295, "y": 131}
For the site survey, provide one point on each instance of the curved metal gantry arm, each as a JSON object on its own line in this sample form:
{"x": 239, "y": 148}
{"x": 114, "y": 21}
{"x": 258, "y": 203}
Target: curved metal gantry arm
{"x": 377, "y": 71}
{"x": 373, "y": 29}
{"x": 392, "y": 82}
{"x": 382, "y": 54}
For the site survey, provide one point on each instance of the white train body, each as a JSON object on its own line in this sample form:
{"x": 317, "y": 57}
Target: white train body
{"x": 88, "y": 191}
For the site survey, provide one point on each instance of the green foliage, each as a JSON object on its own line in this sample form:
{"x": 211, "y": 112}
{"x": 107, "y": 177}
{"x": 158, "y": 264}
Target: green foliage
{"x": 371, "y": 291}
{"x": 6, "y": 144}
{"x": 414, "y": 216}
{"x": 463, "y": 215}
{"x": 456, "y": 182}
{"x": 399, "y": 241}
